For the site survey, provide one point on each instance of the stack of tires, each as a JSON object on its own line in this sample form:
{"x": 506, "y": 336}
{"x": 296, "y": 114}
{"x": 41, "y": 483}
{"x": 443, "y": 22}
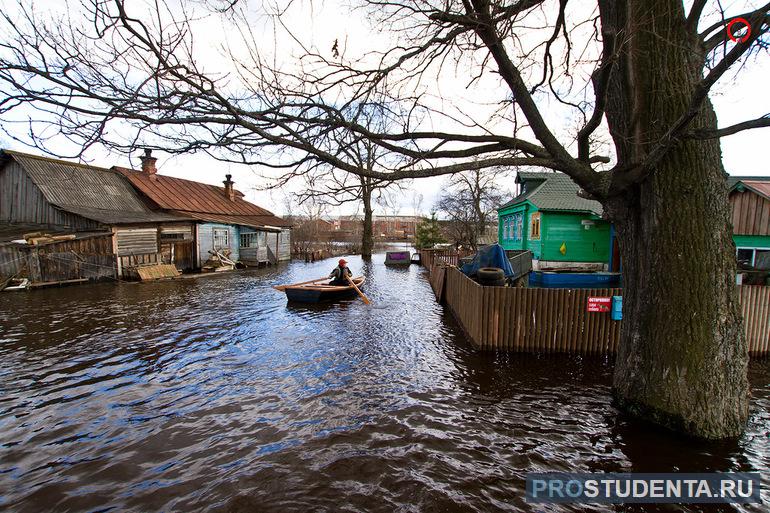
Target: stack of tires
{"x": 491, "y": 277}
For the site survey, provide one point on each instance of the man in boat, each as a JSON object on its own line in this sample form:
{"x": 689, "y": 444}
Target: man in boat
{"x": 339, "y": 274}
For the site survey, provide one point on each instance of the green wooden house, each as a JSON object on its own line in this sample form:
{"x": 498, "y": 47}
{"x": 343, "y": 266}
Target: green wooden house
{"x": 558, "y": 226}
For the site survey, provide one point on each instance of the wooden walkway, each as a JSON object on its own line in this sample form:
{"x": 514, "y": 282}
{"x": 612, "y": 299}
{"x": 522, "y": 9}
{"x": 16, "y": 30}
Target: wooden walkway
{"x": 557, "y": 320}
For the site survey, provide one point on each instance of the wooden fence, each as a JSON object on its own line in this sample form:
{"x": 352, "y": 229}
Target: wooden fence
{"x": 428, "y": 257}
{"x": 87, "y": 257}
{"x": 755, "y": 305}
{"x": 556, "y": 320}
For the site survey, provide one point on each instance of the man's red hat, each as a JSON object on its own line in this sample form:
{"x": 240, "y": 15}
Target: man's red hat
{"x": 343, "y": 261}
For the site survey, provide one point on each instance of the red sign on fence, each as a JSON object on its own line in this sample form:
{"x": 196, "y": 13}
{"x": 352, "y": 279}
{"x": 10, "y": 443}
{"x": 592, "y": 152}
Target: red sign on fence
{"x": 599, "y": 304}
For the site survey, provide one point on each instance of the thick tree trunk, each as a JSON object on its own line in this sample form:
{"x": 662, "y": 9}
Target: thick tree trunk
{"x": 682, "y": 360}
{"x": 367, "y": 238}
{"x": 683, "y": 356}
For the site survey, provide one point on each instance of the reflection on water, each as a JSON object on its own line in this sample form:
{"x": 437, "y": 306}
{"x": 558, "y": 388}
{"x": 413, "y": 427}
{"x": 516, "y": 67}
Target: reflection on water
{"x": 213, "y": 393}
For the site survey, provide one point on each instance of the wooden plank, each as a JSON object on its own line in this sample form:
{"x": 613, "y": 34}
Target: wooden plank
{"x": 155, "y": 272}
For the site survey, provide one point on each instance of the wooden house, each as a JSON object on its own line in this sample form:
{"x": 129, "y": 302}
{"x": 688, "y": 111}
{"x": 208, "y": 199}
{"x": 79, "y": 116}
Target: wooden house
{"x": 225, "y": 220}
{"x": 55, "y": 196}
{"x": 549, "y": 218}
{"x": 750, "y": 208}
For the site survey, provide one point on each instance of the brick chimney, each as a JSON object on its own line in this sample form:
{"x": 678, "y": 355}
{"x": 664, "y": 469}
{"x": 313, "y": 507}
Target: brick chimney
{"x": 229, "y": 191}
{"x": 148, "y": 162}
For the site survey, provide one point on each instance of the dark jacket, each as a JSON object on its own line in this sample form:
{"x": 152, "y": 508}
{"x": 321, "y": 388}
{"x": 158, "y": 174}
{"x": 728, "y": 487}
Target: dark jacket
{"x": 337, "y": 275}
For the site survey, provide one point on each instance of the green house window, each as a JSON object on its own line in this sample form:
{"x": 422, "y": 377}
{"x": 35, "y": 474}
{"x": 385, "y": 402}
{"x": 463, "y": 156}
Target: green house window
{"x": 518, "y": 229}
{"x": 534, "y": 227}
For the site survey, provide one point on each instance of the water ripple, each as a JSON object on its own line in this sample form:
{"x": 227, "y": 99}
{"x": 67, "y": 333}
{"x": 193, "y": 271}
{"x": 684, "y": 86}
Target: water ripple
{"x": 214, "y": 394}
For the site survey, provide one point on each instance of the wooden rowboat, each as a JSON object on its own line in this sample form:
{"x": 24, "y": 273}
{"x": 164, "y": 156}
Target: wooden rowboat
{"x": 316, "y": 292}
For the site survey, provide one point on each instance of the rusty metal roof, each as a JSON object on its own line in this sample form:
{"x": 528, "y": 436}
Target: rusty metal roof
{"x": 92, "y": 192}
{"x": 760, "y": 187}
{"x": 199, "y": 200}
{"x": 252, "y": 221}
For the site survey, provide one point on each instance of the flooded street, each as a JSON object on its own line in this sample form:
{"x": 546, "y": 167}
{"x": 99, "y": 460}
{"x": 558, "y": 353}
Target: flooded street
{"x": 214, "y": 394}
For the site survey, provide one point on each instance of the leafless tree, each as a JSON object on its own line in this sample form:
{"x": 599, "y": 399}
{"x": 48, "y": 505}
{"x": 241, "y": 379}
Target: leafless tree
{"x": 469, "y": 201}
{"x": 639, "y": 71}
{"x": 328, "y": 185}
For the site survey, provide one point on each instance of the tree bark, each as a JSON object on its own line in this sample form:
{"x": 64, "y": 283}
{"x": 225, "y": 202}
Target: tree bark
{"x": 682, "y": 360}
{"x": 367, "y": 238}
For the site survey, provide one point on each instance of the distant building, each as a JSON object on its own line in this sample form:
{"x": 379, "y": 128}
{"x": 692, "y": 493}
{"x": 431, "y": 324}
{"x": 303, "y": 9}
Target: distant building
{"x": 385, "y": 227}
{"x": 550, "y": 219}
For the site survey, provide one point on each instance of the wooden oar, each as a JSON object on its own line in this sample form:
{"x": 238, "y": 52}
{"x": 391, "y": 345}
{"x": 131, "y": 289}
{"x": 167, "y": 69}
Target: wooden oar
{"x": 283, "y": 287}
{"x": 363, "y": 296}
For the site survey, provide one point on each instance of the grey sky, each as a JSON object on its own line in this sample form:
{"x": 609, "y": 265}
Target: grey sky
{"x": 737, "y": 98}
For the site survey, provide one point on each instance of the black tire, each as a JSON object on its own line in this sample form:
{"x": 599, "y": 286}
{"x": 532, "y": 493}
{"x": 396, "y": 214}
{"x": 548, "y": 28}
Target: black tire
{"x": 486, "y": 274}
{"x": 494, "y": 283}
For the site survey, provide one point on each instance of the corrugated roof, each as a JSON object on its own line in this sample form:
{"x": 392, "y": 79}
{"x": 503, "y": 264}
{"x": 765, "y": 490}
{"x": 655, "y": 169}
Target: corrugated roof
{"x": 92, "y": 192}
{"x": 196, "y": 198}
{"x": 14, "y": 231}
{"x": 553, "y": 191}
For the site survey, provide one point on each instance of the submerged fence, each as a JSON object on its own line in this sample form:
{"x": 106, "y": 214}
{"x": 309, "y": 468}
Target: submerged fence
{"x": 557, "y": 320}
{"x": 428, "y": 257}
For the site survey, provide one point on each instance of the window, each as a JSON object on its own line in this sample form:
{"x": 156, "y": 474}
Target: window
{"x": 534, "y": 226}
{"x": 221, "y": 239}
{"x": 248, "y": 240}
{"x": 762, "y": 259}
{"x": 518, "y": 230}
{"x": 759, "y": 258}
{"x": 506, "y": 224}
{"x": 172, "y": 236}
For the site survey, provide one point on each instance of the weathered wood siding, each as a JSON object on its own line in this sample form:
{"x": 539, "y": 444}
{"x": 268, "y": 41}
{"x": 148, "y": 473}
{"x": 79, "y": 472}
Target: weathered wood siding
{"x": 21, "y": 201}
{"x": 12, "y": 260}
{"x": 183, "y": 230}
{"x": 137, "y": 241}
{"x": 530, "y": 320}
{"x": 284, "y": 245}
{"x": 89, "y": 258}
{"x": 177, "y": 245}
{"x": 557, "y": 320}
{"x": 254, "y": 255}
{"x": 750, "y": 213}
{"x": 206, "y": 240}
{"x": 755, "y": 306}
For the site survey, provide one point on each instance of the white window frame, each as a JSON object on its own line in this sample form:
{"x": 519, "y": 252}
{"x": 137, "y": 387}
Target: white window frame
{"x": 217, "y": 233}
{"x": 753, "y": 250}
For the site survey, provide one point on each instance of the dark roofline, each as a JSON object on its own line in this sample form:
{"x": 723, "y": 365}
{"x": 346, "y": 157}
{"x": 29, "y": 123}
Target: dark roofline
{"x": 749, "y": 187}
{"x": 9, "y": 154}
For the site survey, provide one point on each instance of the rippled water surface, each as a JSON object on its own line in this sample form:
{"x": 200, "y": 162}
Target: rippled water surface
{"x": 214, "y": 394}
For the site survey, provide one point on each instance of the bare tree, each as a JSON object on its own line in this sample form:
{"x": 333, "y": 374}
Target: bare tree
{"x": 637, "y": 70}
{"x": 470, "y": 199}
{"x": 326, "y": 184}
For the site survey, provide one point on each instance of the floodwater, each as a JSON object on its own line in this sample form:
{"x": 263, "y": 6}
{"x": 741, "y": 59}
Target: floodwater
{"x": 214, "y": 394}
